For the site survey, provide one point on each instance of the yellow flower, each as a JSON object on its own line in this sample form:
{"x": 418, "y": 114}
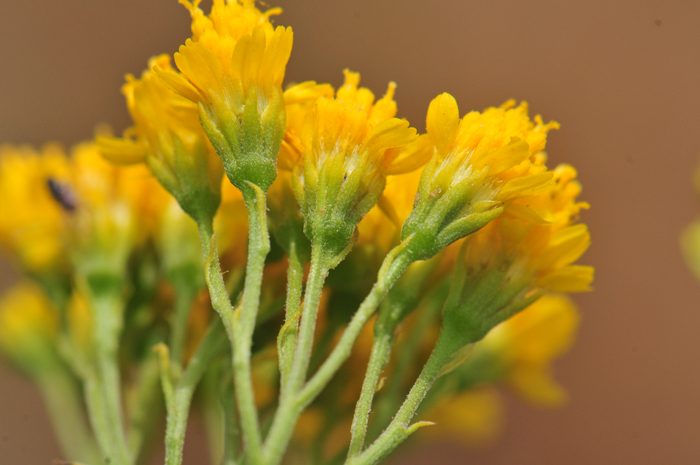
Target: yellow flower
{"x": 480, "y": 164}
{"x": 346, "y": 147}
{"x": 57, "y": 206}
{"x": 113, "y": 206}
{"x": 473, "y": 417}
{"x": 511, "y": 262}
{"x": 538, "y": 254}
{"x": 233, "y": 68}
{"x": 32, "y": 223}
{"x": 28, "y": 326}
{"x": 168, "y": 137}
{"x": 526, "y": 345}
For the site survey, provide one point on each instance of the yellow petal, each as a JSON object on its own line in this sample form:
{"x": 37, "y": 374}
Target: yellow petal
{"x": 536, "y": 384}
{"x": 442, "y": 122}
{"x": 409, "y": 157}
{"x": 525, "y": 185}
{"x": 529, "y": 214}
{"x": 178, "y": 84}
{"x": 572, "y": 278}
{"x": 120, "y": 151}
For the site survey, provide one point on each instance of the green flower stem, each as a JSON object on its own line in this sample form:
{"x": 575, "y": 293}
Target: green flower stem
{"x": 286, "y": 341}
{"x": 400, "y": 428}
{"x": 378, "y": 359}
{"x": 312, "y": 299}
{"x": 290, "y": 409}
{"x": 106, "y": 303}
{"x": 244, "y": 324}
{"x": 231, "y": 426}
{"x": 218, "y": 294}
{"x": 179, "y": 396}
{"x": 185, "y": 295}
{"x": 406, "y": 357}
{"x": 240, "y": 323}
{"x": 291, "y": 406}
{"x": 97, "y": 413}
{"x": 146, "y": 409}
{"x": 392, "y": 268}
{"x": 62, "y": 397}
{"x": 404, "y": 298}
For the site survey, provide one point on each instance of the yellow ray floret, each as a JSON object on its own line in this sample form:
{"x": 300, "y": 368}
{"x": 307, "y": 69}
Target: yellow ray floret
{"x": 168, "y": 137}
{"x": 500, "y": 147}
{"x": 538, "y": 251}
{"x": 50, "y": 198}
{"x": 527, "y": 344}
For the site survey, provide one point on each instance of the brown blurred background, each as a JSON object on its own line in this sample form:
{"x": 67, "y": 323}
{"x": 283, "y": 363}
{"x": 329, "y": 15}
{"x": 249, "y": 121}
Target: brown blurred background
{"x": 623, "y": 79}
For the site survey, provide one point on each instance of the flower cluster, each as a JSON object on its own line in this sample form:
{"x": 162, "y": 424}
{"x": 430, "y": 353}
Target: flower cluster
{"x": 342, "y": 252}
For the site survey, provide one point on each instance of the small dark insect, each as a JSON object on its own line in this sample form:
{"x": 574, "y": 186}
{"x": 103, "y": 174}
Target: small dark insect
{"x": 63, "y": 194}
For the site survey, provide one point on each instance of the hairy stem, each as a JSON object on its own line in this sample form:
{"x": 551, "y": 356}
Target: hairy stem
{"x": 400, "y": 429}
{"x": 289, "y": 411}
{"x": 104, "y": 390}
{"x": 179, "y": 401}
{"x": 185, "y": 294}
{"x": 379, "y": 357}
{"x": 295, "y": 402}
{"x": 286, "y": 341}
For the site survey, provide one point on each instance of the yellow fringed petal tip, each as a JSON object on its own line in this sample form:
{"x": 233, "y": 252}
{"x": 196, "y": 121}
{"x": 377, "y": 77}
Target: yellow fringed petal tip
{"x": 233, "y": 51}
{"x": 529, "y": 342}
{"x": 479, "y": 165}
{"x": 500, "y": 147}
{"x": 28, "y": 324}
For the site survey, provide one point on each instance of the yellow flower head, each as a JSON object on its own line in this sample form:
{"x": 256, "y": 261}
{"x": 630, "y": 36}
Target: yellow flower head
{"x": 511, "y": 262}
{"x": 113, "y": 205}
{"x": 232, "y": 68}
{"x": 480, "y": 164}
{"x": 526, "y": 345}
{"x": 54, "y": 202}
{"x": 346, "y": 145}
{"x": 32, "y": 223}
{"x": 28, "y": 326}
{"x": 537, "y": 253}
{"x": 168, "y": 137}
